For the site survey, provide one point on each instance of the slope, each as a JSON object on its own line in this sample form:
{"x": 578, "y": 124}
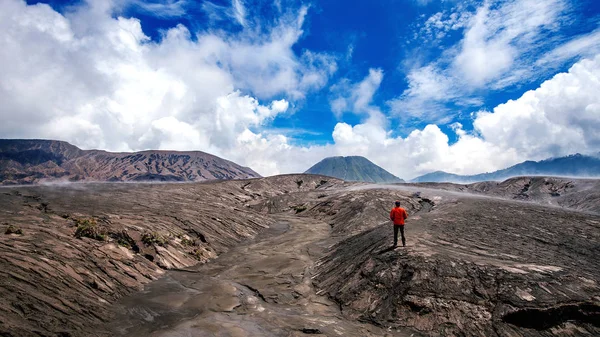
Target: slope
{"x": 576, "y": 165}
{"x": 353, "y": 168}
{"x": 34, "y": 161}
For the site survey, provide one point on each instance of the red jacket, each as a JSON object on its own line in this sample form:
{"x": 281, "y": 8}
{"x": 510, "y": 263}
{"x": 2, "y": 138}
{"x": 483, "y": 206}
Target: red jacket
{"x": 397, "y": 215}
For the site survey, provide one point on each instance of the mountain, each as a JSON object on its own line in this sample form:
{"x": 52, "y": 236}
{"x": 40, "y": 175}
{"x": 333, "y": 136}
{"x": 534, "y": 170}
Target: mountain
{"x": 576, "y": 165}
{"x": 353, "y": 168}
{"x": 33, "y": 161}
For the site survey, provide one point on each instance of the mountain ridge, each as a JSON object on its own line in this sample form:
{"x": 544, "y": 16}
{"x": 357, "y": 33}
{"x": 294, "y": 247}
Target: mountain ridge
{"x": 29, "y": 161}
{"x": 353, "y": 168}
{"x": 574, "y": 165}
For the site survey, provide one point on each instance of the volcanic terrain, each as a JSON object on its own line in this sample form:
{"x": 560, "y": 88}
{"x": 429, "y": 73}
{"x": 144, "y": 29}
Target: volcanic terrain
{"x": 353, "y": 168}
{"x": 300, "y": 254}
{"x": 30, "y": 161}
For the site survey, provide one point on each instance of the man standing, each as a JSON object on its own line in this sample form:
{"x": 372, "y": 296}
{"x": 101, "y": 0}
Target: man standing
{"x": 398, "y": 215}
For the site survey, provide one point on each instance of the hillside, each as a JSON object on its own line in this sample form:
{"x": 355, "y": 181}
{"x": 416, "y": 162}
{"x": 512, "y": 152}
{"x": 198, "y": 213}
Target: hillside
{"x": 576, "y": 165}
{"x": 34, "y": 161}
{"x": 579, "y": 194}
{"x": 353, "y": 168}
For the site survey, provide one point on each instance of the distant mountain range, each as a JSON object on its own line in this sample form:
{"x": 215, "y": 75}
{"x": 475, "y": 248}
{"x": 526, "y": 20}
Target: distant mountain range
{"x": 353, "y": 168}
{"x": 576, "y": 165}
{"x": 33, "y": 161}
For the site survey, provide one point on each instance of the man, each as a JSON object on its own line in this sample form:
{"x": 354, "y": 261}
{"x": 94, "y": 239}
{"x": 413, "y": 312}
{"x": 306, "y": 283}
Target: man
{"x": 398, "y": 215}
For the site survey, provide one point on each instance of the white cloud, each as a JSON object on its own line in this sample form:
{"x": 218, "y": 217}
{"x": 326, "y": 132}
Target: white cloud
{"x": 356, "y": 97}
{"x": 586, "y": 45}
{"x": 561, "y": 117}
{"x": 427, "y": 90}
{"x": 437, "y": 26}
{"x": 363, "y": 93}
{"x": 175, "y": 134}
{"x": 239, "y": 11}
{"x": 423, "y": 2}
{"x": 497, "y": 38}
{"x": 235, "y": 12}
{"x": 160, "y": 8}
{"x": 100, "y": 82}
{"x": 481, "y": 58}
{"x": 501, "y": 42}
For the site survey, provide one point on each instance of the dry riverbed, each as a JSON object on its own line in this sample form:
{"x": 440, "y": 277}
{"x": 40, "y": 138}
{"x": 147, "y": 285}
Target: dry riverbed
{"x": 260, "y": 288}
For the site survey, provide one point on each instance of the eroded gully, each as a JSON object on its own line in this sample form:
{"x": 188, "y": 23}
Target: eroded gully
{"x": 259, "y": 288}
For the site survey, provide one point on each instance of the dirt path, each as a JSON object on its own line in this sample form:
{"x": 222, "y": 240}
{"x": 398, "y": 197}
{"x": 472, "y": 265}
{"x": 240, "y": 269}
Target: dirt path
{"x": 260, "y": 288}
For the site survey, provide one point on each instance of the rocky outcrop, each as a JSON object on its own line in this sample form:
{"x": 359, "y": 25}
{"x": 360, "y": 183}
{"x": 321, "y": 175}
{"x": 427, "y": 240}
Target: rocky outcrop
{"x": 34, "y": 161}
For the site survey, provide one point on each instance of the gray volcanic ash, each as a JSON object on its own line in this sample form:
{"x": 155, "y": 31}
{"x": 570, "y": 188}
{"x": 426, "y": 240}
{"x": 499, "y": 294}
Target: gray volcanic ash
{"x": 300, "y": 254}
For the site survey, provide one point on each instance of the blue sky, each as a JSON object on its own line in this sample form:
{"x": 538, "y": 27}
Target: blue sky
{"x": 371, "y": 34}
{"x": 426, "y": 79}
{"x": 376, "y": 34}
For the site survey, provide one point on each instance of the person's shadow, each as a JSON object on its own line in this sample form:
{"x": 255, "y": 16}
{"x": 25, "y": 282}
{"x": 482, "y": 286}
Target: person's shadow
{"x": 385, "y": 250}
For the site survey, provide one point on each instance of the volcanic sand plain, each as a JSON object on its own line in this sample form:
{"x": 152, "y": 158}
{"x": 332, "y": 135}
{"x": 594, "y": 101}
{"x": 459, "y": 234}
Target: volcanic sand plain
{"x": 300, "y": 254}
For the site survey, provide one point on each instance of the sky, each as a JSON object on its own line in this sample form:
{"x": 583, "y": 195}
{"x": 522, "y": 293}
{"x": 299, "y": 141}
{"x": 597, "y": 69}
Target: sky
{"x": 413, "y": 85}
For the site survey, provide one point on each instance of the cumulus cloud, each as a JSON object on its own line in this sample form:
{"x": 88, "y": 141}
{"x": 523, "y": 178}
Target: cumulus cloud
{"x": 100, "y": 82}
{"x": 561, "y": 117}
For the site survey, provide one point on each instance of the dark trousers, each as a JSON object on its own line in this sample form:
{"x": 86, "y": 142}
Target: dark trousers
{"x": 401, "y": 228}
